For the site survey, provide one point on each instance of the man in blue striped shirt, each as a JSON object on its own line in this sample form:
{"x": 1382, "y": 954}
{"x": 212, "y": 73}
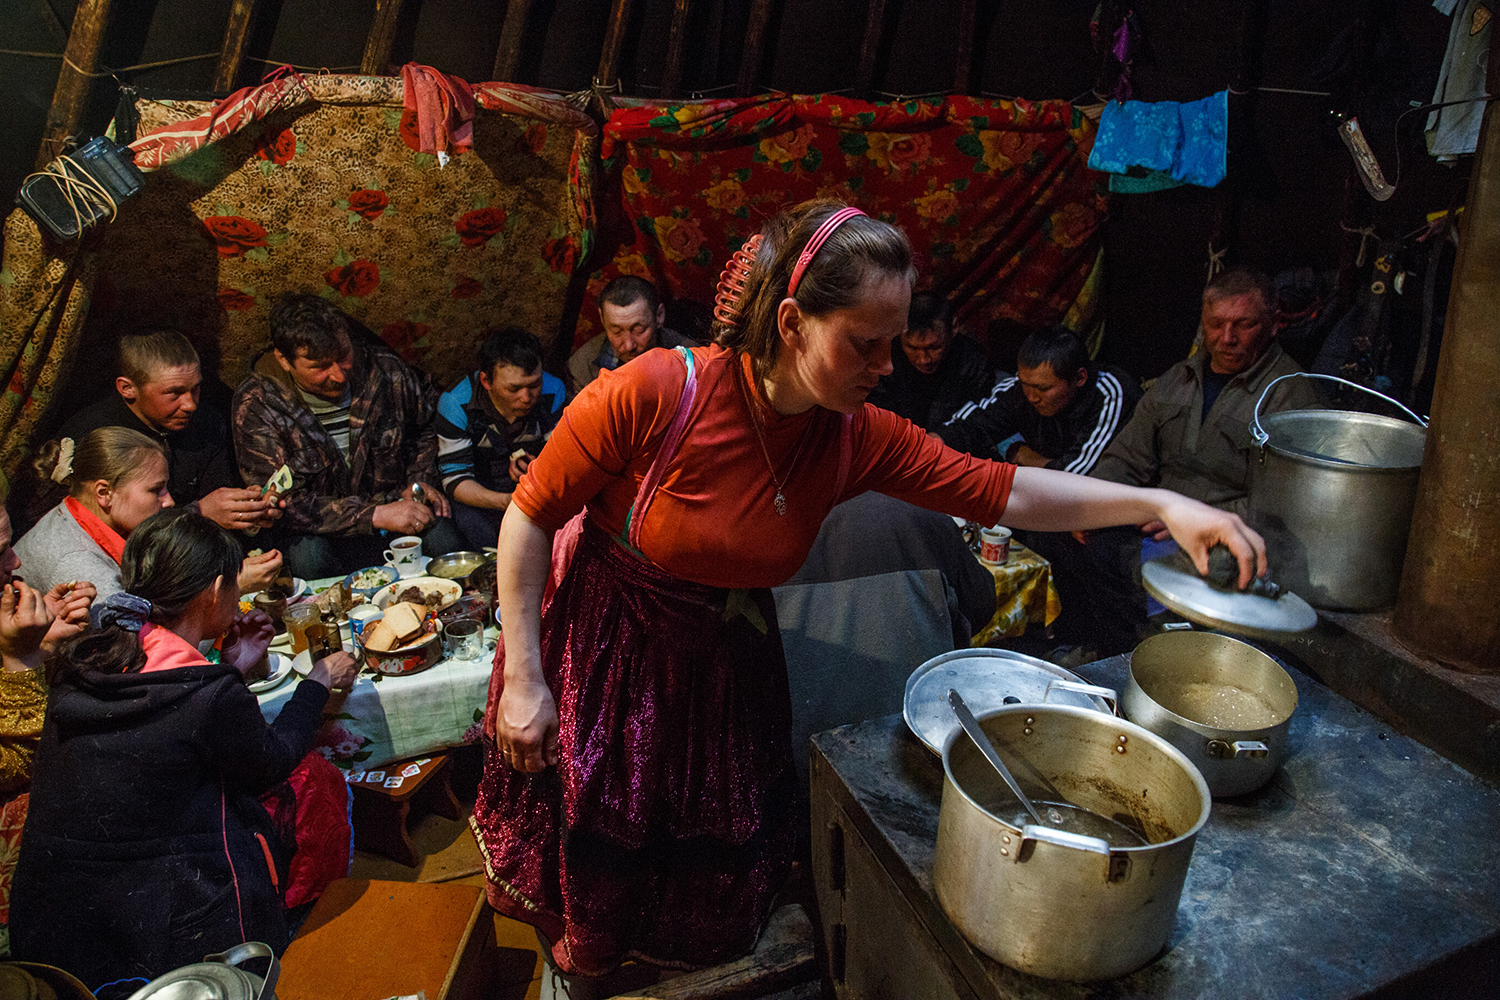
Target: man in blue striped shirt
{"x": 490, "y": 426}
{"x": 1057, "y": 412}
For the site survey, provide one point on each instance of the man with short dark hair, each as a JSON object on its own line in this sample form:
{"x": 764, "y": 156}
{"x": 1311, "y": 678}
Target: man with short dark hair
{"x": 157, "y": 392}
{"x": 1056, "y": 412}
{"x": 354, "y": 424}
{"x": 491, "y": 425}
{"x": 935, "y": 370}
{"x": 634, "y": 321}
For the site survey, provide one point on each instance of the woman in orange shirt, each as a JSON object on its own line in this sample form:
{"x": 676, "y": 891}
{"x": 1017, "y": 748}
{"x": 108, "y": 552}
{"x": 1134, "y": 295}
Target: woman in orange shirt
{"x": 635, "y": 800}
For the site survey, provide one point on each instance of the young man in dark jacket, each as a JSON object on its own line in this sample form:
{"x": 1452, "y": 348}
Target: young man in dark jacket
{"x": 1057, "y": 412}
{"x": 491, "y": 425}
{"x": 355, "y": 426}
{"x": 934, "y": 371}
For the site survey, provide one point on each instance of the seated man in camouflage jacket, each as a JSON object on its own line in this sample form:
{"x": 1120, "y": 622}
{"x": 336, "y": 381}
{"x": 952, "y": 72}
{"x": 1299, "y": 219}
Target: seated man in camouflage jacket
{"x": 355, "y": 425}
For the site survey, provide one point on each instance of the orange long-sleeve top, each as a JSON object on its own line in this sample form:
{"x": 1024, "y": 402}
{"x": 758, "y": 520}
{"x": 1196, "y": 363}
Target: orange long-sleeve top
{"x": 713, "y": 520}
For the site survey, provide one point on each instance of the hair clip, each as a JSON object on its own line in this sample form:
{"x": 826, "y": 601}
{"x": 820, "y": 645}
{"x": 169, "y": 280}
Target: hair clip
{"x": 125, "y": 610}
{"x": 64, "y": 467}
{"x": 731, "y": 287}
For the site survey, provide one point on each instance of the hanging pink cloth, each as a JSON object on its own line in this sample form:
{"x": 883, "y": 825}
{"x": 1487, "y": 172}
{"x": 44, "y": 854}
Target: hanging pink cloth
{"x": 444, "y": 106}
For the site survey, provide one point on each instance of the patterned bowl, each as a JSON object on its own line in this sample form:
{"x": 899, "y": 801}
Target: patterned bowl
{"x": 412, "y": 658}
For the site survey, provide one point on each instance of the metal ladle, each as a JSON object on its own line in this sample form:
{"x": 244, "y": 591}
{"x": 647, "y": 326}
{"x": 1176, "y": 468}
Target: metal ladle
{"x": 971, "y": 726}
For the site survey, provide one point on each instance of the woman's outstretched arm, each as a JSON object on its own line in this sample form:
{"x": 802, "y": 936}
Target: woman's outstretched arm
{"x": 1048, "y": 500}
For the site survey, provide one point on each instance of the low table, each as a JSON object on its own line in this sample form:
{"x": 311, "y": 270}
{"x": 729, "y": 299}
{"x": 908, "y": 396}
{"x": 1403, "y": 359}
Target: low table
{"x": 383, "y": 718}
{"x": 382, "y": 808}
{"x": 1024, "y": 595}
{"x": 365, "y": 940}
{"x": 1368, "y": 859}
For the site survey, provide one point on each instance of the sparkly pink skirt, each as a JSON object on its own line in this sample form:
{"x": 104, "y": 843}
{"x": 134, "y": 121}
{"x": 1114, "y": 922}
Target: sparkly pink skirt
{"x": 666, "y": 828}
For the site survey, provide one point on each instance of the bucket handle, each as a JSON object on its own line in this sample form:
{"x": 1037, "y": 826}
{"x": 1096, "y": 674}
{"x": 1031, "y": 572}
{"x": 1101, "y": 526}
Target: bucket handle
{"x": 1258, "y": 433}
{"x": 247, "y": 950}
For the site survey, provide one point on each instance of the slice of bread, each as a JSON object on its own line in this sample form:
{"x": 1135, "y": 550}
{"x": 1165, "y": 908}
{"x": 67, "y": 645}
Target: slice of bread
{"x": 380, "y": 637}
{"x": 405, "y": 620}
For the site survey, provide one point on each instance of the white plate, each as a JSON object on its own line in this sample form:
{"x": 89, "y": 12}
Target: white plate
{"x": 386, "y": 595}
{"x": 302, "y": 663}
{"x": 281, "y": 669}
{"x": 418, "y": 568}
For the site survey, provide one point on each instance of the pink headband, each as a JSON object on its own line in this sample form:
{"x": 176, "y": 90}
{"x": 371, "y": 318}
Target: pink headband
{"x": 835, "y": 220}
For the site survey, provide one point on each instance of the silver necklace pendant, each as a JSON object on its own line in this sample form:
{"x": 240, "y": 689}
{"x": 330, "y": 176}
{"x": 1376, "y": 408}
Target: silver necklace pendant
{"x": 780, "y": 504}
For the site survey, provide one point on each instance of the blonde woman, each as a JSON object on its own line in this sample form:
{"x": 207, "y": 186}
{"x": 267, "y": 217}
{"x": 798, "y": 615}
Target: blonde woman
{"x": 115, "y": 478}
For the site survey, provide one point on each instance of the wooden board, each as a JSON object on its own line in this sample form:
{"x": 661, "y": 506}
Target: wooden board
{"x": 366, "y": 940}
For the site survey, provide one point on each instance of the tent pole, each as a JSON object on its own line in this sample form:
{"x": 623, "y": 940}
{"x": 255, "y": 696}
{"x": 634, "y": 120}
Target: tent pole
{"x": 671, "y": 77}
{"x": 71, "y": 96}
{"x": 869, "y": 49}
{"x": 236, "y": 37}
{"x": 614, "y": 43}
{"x": 382, "y": 38}
{"x": 755, "y": 36}
{"x": 968, "y": 23}
{"x": 508, "y": 55}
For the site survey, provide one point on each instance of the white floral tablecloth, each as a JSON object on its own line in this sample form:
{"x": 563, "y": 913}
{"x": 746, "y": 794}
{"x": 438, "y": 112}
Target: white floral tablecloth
{"x": 392, "y": 718}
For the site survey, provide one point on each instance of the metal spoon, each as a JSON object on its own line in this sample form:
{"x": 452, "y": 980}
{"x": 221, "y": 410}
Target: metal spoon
{"x": 971, "y": 726}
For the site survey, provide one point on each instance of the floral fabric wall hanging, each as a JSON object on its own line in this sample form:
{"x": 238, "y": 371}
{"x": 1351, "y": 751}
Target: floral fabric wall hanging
{"x": 313, "y": 184}
{"x": 996, "y": 196}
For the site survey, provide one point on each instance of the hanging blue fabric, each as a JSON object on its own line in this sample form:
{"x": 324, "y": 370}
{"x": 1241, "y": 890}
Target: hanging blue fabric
{"x": 1188, "y": 143}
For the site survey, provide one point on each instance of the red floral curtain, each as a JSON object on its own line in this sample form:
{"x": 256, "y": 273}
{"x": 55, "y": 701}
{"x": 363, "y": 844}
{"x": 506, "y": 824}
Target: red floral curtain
{"x": 996, "y": 196}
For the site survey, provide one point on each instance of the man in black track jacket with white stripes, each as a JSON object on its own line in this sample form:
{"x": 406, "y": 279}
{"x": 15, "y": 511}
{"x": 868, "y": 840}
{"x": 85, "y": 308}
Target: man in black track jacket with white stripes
{"x": 1057, "y": 412}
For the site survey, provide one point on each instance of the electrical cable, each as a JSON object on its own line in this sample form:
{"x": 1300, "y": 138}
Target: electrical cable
{"x": 1396, "y": 129}
{"x": 76, "y": 185}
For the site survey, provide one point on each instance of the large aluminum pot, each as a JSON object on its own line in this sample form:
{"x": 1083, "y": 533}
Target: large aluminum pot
{"x": 1225, "y": 704}
{"x": 1332, "y": 491}
{"x": 1056, "y": 904}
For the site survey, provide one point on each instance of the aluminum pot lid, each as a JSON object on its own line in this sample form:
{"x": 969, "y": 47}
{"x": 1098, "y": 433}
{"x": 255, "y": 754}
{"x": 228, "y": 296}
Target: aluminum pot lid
{"x": 1252, "y": 615}
{"x": 203, "y": 981}
{"x": 987, "y": 679}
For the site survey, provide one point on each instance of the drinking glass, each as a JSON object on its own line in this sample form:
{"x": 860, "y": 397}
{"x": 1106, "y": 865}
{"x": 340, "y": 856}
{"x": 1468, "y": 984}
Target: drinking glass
{"x": 296, "y": 618}
{"x": 465, "y": 639}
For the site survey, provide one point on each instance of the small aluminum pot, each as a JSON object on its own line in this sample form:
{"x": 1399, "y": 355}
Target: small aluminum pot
{"x": 1053, "y": 903}
{"x": 1225, "y": 704}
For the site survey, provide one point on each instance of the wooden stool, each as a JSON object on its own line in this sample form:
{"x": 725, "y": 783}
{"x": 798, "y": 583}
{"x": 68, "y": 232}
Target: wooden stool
{"x": 381, "y": 813}
{"x": 366, "y": 939}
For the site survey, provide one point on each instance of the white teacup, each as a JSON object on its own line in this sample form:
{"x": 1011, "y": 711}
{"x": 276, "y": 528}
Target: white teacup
{"x": 405, "y": 556}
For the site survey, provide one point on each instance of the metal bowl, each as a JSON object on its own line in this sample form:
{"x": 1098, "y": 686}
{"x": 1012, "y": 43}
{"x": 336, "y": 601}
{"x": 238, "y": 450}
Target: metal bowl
{"x": 457, "y": 565}
{"x": 1222, "y": 702}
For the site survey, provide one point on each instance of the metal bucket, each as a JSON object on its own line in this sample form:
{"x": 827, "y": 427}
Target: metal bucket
{"x": 1332, "y": 491}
